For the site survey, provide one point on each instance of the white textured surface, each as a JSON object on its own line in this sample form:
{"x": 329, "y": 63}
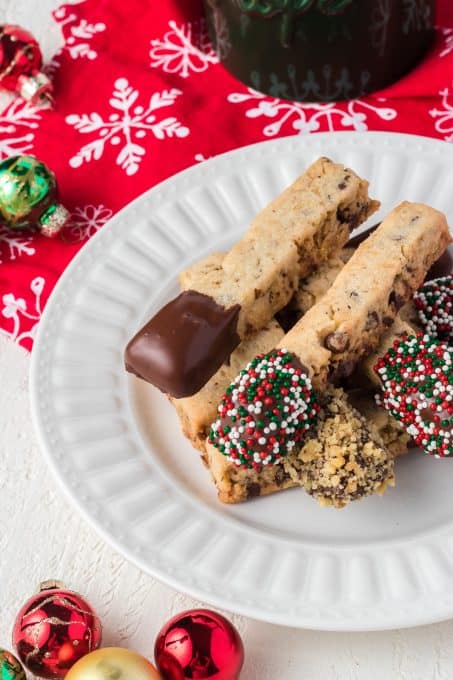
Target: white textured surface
{"x": 42, "y": 536}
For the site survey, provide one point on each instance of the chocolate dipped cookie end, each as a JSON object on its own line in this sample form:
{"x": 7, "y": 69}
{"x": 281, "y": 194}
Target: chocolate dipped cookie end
{"x": 184, "y": 344}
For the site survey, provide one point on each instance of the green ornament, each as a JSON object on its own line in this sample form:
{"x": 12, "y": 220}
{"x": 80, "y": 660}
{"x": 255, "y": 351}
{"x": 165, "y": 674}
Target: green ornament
{"x": 29, "y": 197}
{"x": 10, "y": 667}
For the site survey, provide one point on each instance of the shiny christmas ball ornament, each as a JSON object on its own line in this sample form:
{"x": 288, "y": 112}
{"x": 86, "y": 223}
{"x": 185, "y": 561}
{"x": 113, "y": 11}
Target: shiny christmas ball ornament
{"x": 199, "y": 644}
{"x": 113, "y": 663}
{"x": 29, "y": 196}
{"x": 55, "y": 629}
{"x": 10, "y": 667}
{"x": 20, "y": 65}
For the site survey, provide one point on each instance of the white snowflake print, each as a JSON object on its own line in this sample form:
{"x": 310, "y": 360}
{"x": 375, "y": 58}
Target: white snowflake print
{"x": 417, "y": 16}
{"x": 448, "y": 35}
{"x": 306, "y": 118}
{"x": 17, "y": 122}
{"x": 86, "y": 221}
{"x": 200, "y": 158}
{"x": 184, "y": 49}
{"x": 125, "y": 126}
{"x": 15, "y": 309}
{"x": 380, "y": 18}
{"x": 444, "y": 122}
{"x": 16, "y": 244}
{"x": 81, "y": 32}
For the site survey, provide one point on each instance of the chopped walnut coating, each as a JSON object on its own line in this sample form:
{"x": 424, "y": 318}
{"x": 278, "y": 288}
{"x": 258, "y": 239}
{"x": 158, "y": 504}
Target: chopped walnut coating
{"x": 344, "y": 460}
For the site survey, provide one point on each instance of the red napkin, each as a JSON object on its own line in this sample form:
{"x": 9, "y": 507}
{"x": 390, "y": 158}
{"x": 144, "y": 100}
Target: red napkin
{"x": 140, "y": 96}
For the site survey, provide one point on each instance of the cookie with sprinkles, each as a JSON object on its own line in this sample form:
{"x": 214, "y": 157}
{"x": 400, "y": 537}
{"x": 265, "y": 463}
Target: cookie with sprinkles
{"x": 266, "y": 411}
{"x": 434, "y": 303}
{"x": 417, "y": 380}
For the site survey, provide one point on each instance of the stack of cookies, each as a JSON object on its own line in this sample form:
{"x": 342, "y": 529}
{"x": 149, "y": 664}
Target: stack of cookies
{"x": 268, "y": 354}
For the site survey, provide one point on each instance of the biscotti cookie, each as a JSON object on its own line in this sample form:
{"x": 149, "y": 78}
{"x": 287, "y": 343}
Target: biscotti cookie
{"x": 187, "y": 341}
{"x": 397, "y": 330}
{"x": 296, "y": 232}
{"x": 311, "y": 291}
{"x": 312, "y": 288}
{"x": 270, "y": 407}
{"x": 343, "y": 460}
{"x": 393, "y": 436}
{"x": 416, "y": 376}
{"x": 377, "y": 281}
{"x": 197, "y": 412}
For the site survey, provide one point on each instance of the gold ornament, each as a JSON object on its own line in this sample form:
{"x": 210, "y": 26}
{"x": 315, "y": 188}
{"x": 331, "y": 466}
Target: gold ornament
{"x": 113, "y": 663}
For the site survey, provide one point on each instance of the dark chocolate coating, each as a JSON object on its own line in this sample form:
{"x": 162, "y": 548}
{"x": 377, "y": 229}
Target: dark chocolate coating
{"x": 443, "y": 266}
{"x": 184, "y": 344}
{"x": 355, "y": 241}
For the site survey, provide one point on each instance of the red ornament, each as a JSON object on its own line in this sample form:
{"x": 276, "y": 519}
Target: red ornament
{"x": 199, "y": 644}
{"x": 20, "y": 65}
{"x": 54, "y": 629}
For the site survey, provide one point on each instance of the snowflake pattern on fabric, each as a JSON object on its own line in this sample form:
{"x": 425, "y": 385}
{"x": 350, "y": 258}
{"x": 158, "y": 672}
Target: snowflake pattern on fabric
{"x": 79, "y": 34}
{"x": 184, "y": 49}
{"x": 15, "y": 309}
{"x": 14, "y": 245}
{"x": 444, "y": 122}
{"x": 17, "y": 122}
{"x": 128, "y": 124}
{"x": 85, "y": 222}
{"x": 417, "y": 16}
{"x": 201, "y": 158}
{"x": 448, "y": 35}
{"x": 306, "y": 118}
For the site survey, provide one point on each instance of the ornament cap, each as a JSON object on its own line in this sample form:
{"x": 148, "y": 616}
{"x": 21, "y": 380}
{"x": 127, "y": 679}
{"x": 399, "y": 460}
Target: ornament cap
{"x": 51, "y": 584}
{"x": 36, "y": 89}
{"x": 53, "y": 220}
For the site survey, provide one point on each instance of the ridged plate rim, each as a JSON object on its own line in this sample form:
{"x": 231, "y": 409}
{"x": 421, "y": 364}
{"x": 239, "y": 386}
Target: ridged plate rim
{"x": 427, "y": 599}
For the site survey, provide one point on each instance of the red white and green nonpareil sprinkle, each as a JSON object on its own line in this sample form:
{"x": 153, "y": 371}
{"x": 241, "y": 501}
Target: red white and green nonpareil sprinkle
{"x": 265, "y": 412}
{"x": 434, "y": 302}
{"x": 417, "y": 378}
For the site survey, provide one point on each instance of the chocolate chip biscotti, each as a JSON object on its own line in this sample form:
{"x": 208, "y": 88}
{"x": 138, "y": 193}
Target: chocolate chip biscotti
{"x": 340, "y": 437}
{"x": 366, "y": 295}
{"x": 299, "y": 230}
{"x": 343, "y": 460}
{"x": 392, "y": 434}
{"x": 196, "y": 413}
{"x": 270, "y": 408}
{"x": 188, "y": 340}
{"x": 312, "y": 289}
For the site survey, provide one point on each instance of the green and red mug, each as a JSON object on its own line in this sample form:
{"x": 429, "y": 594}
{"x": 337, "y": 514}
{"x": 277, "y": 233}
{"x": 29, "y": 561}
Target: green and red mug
{"x": 320, "y": 50}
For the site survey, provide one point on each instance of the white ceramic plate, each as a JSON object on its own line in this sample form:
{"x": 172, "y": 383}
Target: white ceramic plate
{"x": 115, "y": 444}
